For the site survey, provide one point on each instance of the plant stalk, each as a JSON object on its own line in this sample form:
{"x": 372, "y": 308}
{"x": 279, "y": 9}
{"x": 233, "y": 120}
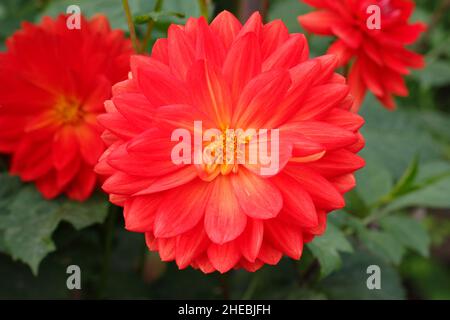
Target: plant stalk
{"x": 203, "y": 4}
{"x": 150, "y": 27}
{"x": 131, "y": 27}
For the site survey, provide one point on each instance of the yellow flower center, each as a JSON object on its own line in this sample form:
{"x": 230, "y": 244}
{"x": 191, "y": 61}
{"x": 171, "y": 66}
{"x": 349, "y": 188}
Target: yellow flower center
{"x": 226, "y": 152}
{"x": 68, "y": 110}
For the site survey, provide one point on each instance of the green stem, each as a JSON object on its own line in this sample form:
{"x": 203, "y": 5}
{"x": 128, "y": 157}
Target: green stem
{"x": 204, "y": 9}
{"x": 434, "y": 53}
{"x": 441, "y": 10}
{"x": 248, "y": 7}
{"x": 131, "y": 28}
{"x": 142, "y": 256}
{"x": 223, "y": 278}
{"x": 108, "y": 240}
{"x": 150, "y": 26}
{"x": 378, "y": 214}
{"x": 297, "y": 273}
{"x": 248, "y": 294}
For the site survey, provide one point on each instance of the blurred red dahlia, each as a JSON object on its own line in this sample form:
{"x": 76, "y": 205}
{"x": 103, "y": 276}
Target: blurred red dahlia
{"x": 53, "y": 84}
{"x": 219, "y": 216}
{"x": 380, "y": 57}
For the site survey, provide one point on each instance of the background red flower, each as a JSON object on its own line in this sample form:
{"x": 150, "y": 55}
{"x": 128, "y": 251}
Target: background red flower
{"x": 380, "y": 57}
{"x": 53, "y": 82}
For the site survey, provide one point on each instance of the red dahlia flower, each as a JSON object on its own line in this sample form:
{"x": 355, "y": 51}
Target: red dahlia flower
{"x": 53, "y": 84}
{"x": 221, "y": 215}
{"x": 380, "y": 57}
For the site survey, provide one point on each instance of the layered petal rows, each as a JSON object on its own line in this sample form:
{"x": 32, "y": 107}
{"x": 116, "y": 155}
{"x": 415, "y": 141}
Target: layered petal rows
{"x": 228, "y": 75}
{"x": 53, "y": 83}
{"x": 379, "y": 54}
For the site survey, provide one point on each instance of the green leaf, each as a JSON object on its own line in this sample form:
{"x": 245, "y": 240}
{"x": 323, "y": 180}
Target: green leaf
{"x": 3, "y": 247}
{"x": 189, "y": 8}
{"x": 438, "y": 123}
{"x": 350, "y": 282}
{"x": 326, "y": 249}
{"x": 155, "y": 16}
{"x": 288, "y": 11}
{"x": 12, "y": 12}
{"x": 111, "y": 9}
{"x": 114, "y": 10}
{"x": 9, "y": 185}
{"x": 432, "y": 172}
{"x": 394, "y": 138}
{"x": 305, "y": 294}
{"x": 343, "y": 219}
{"x": 28, "y": 227}
{"x": 27, "y": 221}
{"x": 409, "y": 232}
{"x": 382, "y": 244}
{"x": 83, "y": 214}
{"x": 373, "y": 182}
{"x": 428, "y": 276}
{"x": 435, "y": 74}
{"x": 434, "y": 195}
{"x": 405, "y": 184}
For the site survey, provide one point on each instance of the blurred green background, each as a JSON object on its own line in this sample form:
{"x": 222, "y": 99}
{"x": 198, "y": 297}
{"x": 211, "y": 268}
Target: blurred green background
{"x": 398, "y": 217}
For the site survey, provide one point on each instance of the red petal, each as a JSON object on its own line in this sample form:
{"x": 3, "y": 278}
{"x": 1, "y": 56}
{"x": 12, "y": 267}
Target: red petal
{"x": 302, "y": 77}
{"x": 357, "y": 86}
{"x": 344, "y": 119}
{"x": 319, "y": 22}
{"x": 323, "y": 193}
{"x": 269, "y": 254}
{"x": 342, "y": 51}
{"x": 140, "y": 212}
{"x": 257, "y": 197}
{"x": 226, "y": 27}
{"x": 297, "y": 203}
{"x": 65, "y": 147}
{"x": 169, "y": 181}
{"x": 210, "y": 92}
{"x": 181, "y": 51}
{"x": 67, "y": 173}
{"x": 320, "y": 100}
{"x": 209, "y": 46}
{"x": 251, "y": 266}
{"x": 166, "y": 248}
{"x": 274, "y": 35}
{"x": 224, "y": 219}
{"x": 224, "y": 256}
{"x": 289, "y": 54}
{"x": 160, "y": 51}
{"x": 181, "y": 209}
{"x": 91, "y": 145}
{"x": 204, "y": 264}
{"x": 329, "y": 136}
{"x": 251, "y": 239}
{"x": 83, "y": 185}
{"x": 243, "y": 62}
{"x": 190, "y": 245}
{"x": 344, "y": 183}
{"x": 48, "y": 185}
{"x": 259, "y": 98}
{"x": 253, "y": 24}
{"x": 124, "y": 184}
{"x": 157, "y": 83}
{"x": 285, "y": 238}
{"x": 116, "y": 123}
{"x": 348, "y": 34}
{"x": 135, "y": 108}
{"x": 336, "y": 163}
